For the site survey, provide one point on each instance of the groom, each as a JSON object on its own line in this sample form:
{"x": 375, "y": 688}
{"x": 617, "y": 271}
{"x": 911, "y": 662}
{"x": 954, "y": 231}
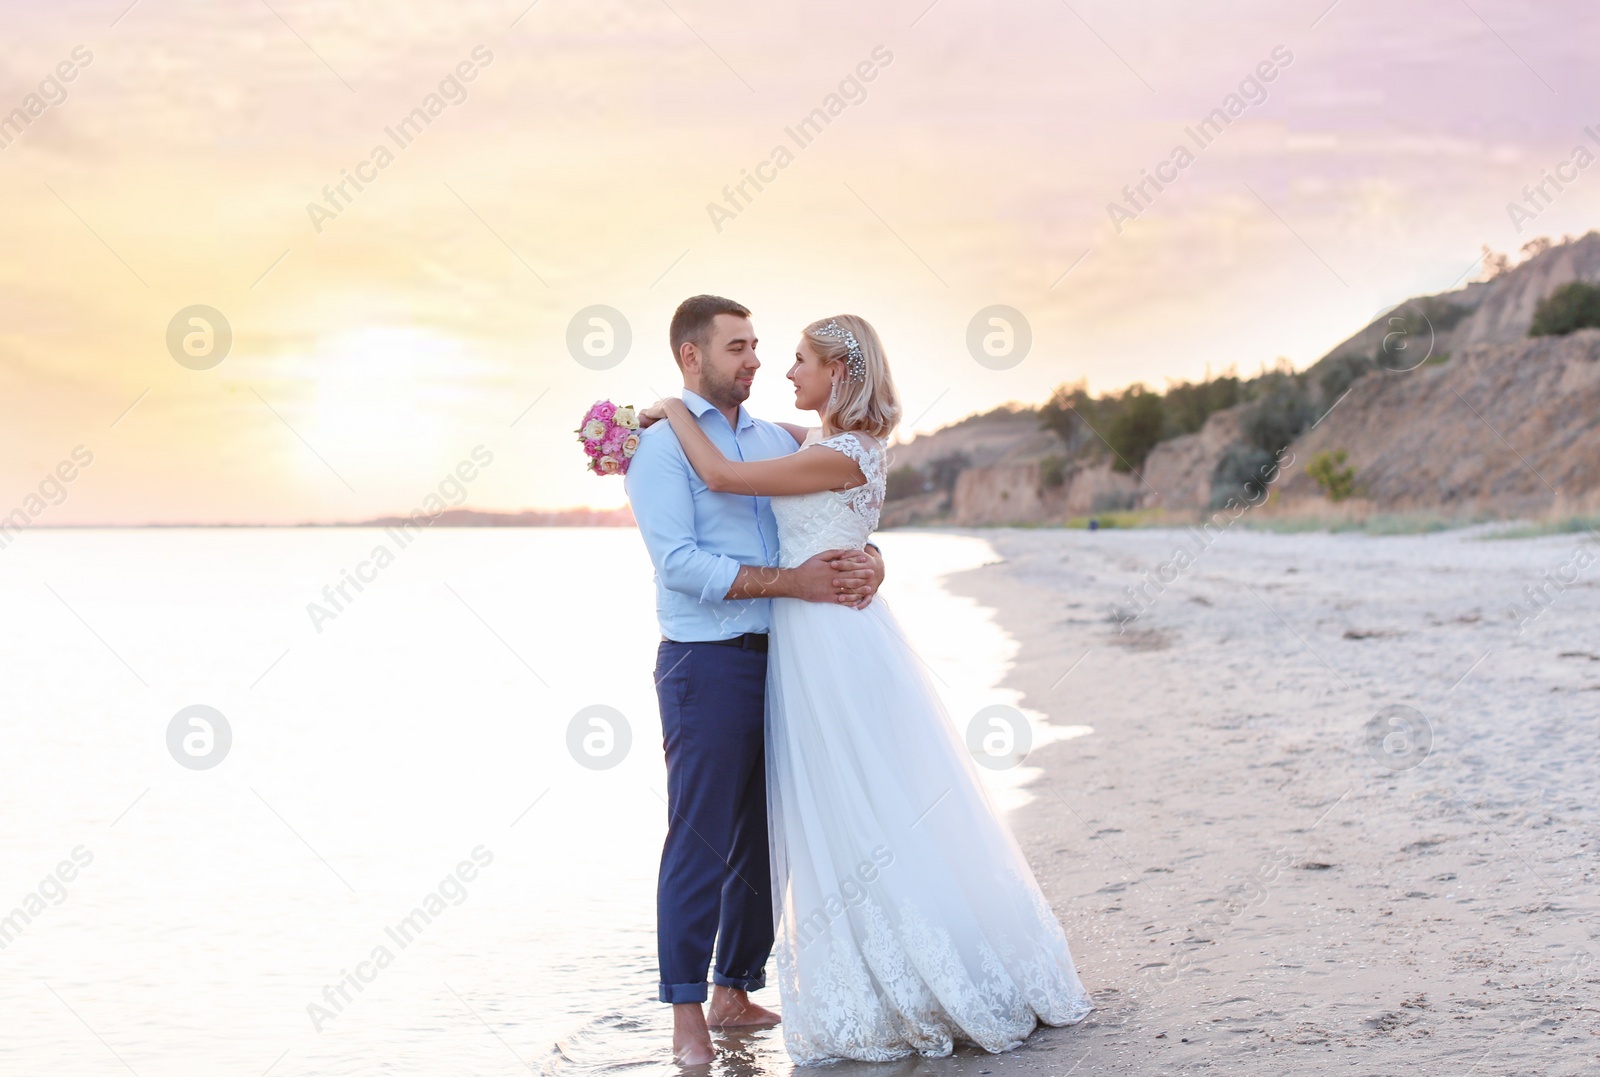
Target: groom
{"x": 715, "y": 557}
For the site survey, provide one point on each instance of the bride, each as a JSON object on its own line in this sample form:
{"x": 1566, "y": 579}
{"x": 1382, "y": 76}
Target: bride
{"x": 907, "y": 917}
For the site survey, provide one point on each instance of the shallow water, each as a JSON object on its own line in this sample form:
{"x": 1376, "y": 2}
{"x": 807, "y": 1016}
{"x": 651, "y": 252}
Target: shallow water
{"x": 410, "y": 747}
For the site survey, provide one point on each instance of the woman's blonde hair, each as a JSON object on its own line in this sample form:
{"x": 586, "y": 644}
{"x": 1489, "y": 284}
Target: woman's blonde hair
{"x": 866, "y": 400}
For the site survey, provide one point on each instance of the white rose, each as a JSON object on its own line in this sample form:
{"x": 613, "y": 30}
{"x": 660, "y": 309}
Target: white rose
{"x": 626, "y": 417}
{"x": 594, "y": 430}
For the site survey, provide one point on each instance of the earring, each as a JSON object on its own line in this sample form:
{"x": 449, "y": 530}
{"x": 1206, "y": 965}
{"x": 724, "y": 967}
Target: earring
{"x": 833, "y": 392}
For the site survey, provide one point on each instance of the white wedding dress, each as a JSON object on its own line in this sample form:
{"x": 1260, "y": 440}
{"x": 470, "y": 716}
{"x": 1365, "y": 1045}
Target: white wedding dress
{"x": 907, "y": 918}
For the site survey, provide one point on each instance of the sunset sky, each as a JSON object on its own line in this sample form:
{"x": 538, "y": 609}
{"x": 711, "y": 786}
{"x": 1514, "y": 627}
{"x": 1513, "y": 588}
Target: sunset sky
{"x": 430, "y": 315}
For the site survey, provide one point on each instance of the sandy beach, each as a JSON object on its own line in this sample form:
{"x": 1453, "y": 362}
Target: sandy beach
{"x": 1258, "y": 879}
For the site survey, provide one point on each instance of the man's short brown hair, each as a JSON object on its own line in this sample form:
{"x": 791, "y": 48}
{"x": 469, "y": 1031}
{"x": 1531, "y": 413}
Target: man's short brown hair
{"x": 693, "y": 320}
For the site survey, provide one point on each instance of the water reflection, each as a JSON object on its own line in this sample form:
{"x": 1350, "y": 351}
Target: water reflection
{"x": 631, "y": 1041}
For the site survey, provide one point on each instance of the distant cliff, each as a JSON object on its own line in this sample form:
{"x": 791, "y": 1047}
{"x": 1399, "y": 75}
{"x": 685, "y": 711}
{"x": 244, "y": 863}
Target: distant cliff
{"x": 1502, "y": 429}
{"x": 1442, "y": 404}
{"x": 1001, "y": 467}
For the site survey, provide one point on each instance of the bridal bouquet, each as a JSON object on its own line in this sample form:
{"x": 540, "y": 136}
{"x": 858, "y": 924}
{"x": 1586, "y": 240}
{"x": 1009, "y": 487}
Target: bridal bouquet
{"x": 610, "y": 436}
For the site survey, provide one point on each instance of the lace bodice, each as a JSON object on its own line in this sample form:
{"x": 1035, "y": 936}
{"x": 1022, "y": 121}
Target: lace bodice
{"x": 832, "y": 519}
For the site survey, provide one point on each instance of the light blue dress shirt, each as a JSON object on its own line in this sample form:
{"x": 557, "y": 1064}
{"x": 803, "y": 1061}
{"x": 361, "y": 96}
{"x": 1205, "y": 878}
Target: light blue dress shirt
{"x": 698, "y": 539}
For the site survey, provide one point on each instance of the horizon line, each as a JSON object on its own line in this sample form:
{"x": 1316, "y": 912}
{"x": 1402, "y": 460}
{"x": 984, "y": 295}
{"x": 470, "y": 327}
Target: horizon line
{"x": 455, "y": 516}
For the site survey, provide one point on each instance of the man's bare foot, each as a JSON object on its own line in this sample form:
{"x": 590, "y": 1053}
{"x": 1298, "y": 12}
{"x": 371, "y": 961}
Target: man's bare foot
{"x": 732, "y": 1008}
{"x": 691, "y": 1040}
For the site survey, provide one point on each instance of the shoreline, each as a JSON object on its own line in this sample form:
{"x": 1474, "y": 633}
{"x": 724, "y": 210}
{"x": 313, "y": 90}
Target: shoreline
{"x": 1251, "y": 877}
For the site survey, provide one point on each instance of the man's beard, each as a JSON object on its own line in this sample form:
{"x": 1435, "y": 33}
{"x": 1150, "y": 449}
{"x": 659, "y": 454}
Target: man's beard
{"x": 724, "y": 394}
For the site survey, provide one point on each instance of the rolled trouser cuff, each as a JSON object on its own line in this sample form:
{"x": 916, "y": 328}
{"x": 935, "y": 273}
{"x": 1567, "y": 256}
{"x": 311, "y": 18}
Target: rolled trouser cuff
{"x": 748, "y": 983}
{"x": 676, "y": 993}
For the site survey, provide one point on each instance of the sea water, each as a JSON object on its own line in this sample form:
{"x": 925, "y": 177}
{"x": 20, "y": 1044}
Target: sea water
{"x": 345, "y": 800}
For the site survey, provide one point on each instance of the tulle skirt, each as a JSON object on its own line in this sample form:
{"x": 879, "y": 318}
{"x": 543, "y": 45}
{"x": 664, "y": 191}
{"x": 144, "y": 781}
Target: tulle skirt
{"x": 907, "y": 918}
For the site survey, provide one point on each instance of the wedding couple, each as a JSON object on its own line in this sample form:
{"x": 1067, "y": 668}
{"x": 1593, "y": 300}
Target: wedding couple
{"x": 820, "y": 802}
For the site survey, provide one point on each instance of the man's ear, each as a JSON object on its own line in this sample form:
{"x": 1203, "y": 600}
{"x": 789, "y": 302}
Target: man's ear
{"x": 689, "y": 357}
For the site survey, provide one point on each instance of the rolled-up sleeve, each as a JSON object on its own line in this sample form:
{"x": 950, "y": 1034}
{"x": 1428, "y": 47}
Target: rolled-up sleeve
{"x": 663, "y": 506}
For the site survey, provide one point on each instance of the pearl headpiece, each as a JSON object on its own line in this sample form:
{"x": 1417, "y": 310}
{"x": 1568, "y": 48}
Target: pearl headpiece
{"x": 856, "y": 364}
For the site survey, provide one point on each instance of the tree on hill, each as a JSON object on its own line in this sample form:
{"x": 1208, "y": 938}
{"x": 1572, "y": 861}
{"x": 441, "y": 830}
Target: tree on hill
{"x": 1190, "y": 404}
{"x": 1130, "y": 423}
{"x": 1495, "y": 263}
{"x": 1073, "y": 416}
{"x": 1139, "y": 427}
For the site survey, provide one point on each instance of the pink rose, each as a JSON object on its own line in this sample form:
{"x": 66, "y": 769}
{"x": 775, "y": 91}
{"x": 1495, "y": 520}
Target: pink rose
{"x": 608, "y": 465}
{"x": 613, "y": 441}
{"x": 603, "y": 410}
{"x": 594, "y": 449}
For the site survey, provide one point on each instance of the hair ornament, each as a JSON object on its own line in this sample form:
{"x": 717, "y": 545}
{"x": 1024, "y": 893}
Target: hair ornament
{"x": 856, "y": 364}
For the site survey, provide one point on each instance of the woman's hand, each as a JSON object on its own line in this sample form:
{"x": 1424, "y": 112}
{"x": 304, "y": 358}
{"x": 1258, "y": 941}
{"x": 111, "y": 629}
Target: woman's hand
{"x": 654, "y": 413}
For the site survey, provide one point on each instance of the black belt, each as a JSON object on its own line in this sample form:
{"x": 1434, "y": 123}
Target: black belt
{"x": 750, "y": 641}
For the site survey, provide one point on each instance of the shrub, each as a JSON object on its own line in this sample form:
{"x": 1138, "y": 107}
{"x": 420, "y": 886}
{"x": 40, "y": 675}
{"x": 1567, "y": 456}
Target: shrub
{"x": 1569, "y": 308}
{"x": 1443, "y": 314}
{"x": 1278, "y": 415}
{"x": 1331, "y": 476}
{"x": 1241, "y": 474}
{"x": 1414, "y": 326}
{"x": 1339, "y": 373}
{"x": 1114, "y": 501}
{"x": 1053, "y": 472}
{"x": 1535, "y": 247}
{"x": 1407, "y": 331}
{"x": 904, "y": 481}
{"x": 943, "y": 472}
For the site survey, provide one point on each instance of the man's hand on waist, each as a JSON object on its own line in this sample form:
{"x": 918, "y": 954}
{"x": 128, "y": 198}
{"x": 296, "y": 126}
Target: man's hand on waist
{"x": 844, "y": 577}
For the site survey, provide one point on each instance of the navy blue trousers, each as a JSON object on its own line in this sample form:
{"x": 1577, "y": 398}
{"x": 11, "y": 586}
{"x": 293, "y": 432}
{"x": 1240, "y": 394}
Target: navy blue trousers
{"x": 715, "y": 886}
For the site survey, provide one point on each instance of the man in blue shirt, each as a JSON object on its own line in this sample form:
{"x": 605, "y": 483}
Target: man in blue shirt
{"x": 715, "y": 558}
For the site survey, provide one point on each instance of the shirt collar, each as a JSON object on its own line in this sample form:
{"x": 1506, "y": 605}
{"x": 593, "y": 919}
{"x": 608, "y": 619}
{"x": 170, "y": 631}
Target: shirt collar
{"x": 700, "y": 405}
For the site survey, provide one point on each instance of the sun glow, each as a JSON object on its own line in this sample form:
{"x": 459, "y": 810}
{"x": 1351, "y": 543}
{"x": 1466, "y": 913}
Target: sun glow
{"x": 386, "y": 398}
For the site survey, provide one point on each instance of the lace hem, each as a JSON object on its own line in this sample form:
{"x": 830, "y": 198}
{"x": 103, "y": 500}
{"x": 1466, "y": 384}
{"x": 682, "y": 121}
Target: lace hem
{"x": 881, "y": 991}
